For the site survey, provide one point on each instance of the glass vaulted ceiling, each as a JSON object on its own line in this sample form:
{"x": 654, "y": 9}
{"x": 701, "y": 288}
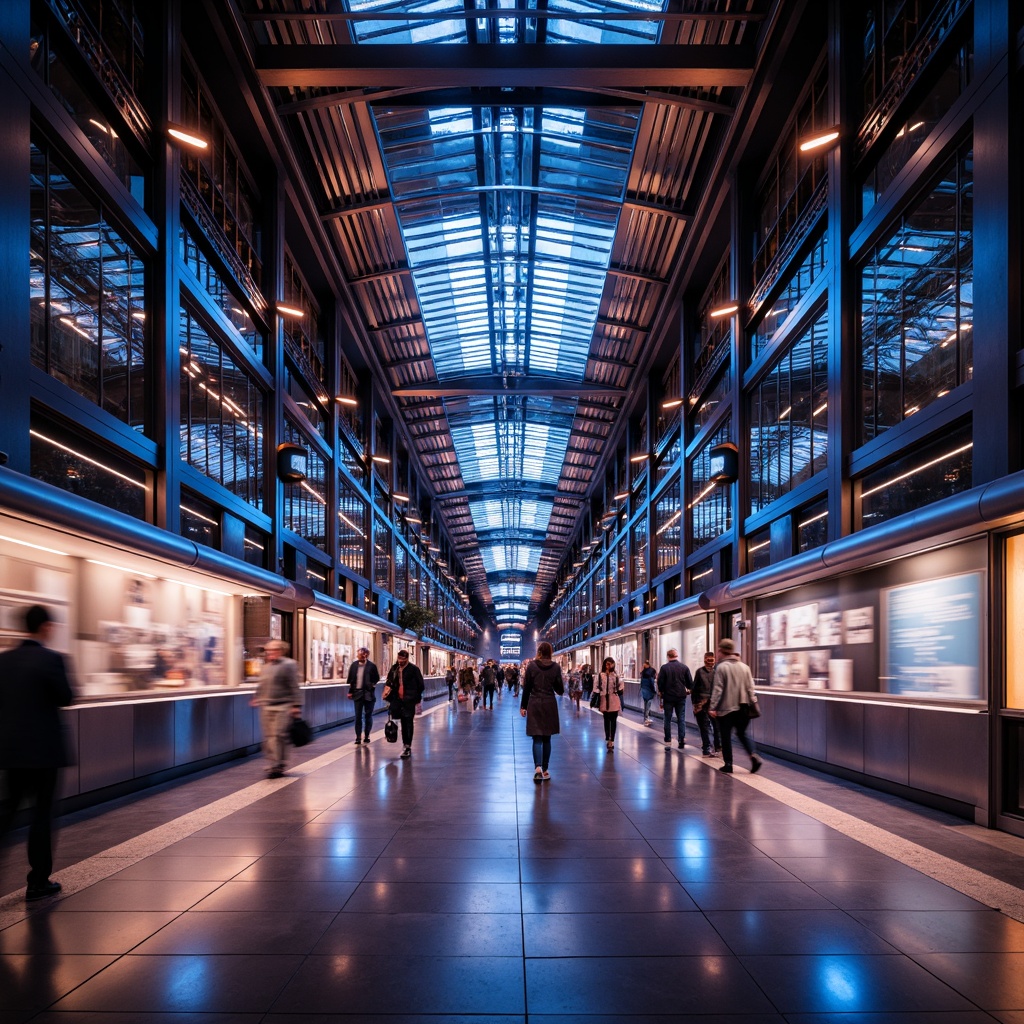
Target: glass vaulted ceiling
{"x": 508, "y": 214}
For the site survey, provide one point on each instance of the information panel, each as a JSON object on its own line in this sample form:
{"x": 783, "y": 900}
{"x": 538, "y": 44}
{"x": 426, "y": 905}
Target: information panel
{"x": 932, "y": 645}
{"x": 511, "y": 642}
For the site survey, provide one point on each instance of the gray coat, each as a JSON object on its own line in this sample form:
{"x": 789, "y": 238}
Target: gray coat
{"x": 543, "y": 682}
{"x": 733, "y": 686}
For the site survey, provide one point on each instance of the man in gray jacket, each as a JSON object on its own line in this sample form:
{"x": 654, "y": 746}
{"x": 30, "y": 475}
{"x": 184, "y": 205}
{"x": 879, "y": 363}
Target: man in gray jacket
{"x": 279, "y": 699}
{"x": 731, "y": 695}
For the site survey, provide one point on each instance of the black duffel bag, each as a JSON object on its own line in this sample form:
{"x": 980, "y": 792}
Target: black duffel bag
{"x": 299, "y": 732}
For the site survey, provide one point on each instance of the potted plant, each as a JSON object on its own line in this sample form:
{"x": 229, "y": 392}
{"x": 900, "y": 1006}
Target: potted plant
{"x": 415, "y": 617}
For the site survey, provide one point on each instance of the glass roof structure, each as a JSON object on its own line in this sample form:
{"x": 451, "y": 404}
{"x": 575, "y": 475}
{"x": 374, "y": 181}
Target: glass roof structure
{"x": 508, "y": 215}
{"x": 509, "y": 188}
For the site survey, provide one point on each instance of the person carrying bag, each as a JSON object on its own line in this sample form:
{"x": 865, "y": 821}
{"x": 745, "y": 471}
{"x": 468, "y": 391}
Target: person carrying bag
{"x": 608, "y": 688}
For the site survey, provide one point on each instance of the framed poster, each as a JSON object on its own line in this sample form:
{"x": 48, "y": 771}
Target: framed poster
{"x": 932, "y": 644}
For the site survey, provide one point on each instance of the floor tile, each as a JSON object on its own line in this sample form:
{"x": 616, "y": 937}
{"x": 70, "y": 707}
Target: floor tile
{"x": 306, "y": 869}
{"x": 674, "y": 986}
{"x": 274, "y": 897}
{"x": 667, "y": 933}
{"x": 753, "y": 932}
{"x": 137, "y": 894}
{"x": 912, "y": 894}
{"x": 179, "y": 868}
{"x": 32, "y": 981}
{"x": 84, "y": 932}
{"x": 743, "y": 895}
{"x": 431, "y": 869}
{"x": 439, "y": 934}
{"x": 430, "y": 985}
{"x": 945, "y": 931}
{"x": 250, "y": 932}
{"x": 851, "y": 984}
{"x": 435, "y": 897}
{"x": 994, "y": 981}
{"x": 605, "y": 897}
{"x": 185, "y": 984}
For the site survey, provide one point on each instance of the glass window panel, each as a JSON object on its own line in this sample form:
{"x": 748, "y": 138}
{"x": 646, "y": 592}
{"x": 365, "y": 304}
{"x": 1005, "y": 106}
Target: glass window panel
{"x": 87, "y": 287}
{"x": 789, "y": 419}
{"x": 710, "y": 504}
{"x": 812, "y": 526}
{"x": 221, "y": 414}
{"x": 200, "y": 521}
{"x": 256, "y": 547}
{"x": 352, "y": 520}
{"x": 917, "y": 304}
{"x": 935, "y": 471}
{"x": 70, "y": 459}
{"x": 759, "y": 550}
{"x": 305, "y": 502}
{"x": 701, "y": 576}
{"x": 667, "y": 529}
{"x": 382, "y": 541}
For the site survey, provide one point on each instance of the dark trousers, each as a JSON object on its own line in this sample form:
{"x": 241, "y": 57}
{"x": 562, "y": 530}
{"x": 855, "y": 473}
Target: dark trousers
{"x": 541, "y": 752}
{"x": 364, "y": 714}
{"x": 679, "y": 707}
{"x": 489, "y": 693}
{"x": 611, "y": 720}
{"x": 40, "y": 783}
{"x": 406, "y": 715}
{"x": 708, "y": 727}
{"x": 739, "y": 721}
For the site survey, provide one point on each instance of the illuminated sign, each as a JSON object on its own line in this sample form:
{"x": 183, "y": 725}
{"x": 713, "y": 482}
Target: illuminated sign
{"x": 511, "y": 644}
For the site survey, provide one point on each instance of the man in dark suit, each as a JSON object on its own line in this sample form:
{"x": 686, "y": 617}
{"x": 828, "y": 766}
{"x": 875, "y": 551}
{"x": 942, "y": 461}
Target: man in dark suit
{"x": 362, "y": 678}
{"x": 403, "y": 691}
{"x": 33, "y": 687}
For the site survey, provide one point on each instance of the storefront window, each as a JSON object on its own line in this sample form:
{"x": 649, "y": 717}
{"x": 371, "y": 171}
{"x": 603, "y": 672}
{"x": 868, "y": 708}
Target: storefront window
{"x": 332, "y": 649}
{"x": 1015, "y": 622}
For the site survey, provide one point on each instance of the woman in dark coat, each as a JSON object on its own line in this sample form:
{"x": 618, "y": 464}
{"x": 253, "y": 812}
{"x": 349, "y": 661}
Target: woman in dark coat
{"x": 539, "y": 707}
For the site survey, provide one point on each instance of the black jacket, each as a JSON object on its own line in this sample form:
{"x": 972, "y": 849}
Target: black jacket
{"x": 412, "y": 685}
{"x": 33, "y": 687}
{"x": 371, "y": 677}
{"x": 674, "y": 681}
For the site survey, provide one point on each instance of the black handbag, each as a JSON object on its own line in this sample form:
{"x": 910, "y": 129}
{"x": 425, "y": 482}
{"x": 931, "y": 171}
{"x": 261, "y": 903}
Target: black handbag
{"x": 595, "y": 699}
{"x": 752, "y": 710}
{"x": 391, "y": 730}
{"x": 299, "y": 732}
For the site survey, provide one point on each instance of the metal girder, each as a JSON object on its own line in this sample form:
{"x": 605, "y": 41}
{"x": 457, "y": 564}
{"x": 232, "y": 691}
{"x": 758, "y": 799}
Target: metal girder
{"x": 636, "y": 275}
{"x": 491, "y": 96}
{"x": 520, "y": 64}
{"x": 490, "y": 489}
{"x": 382, "y": 275}
{"x": 658, "y": 208}
{"x": 494, "y": 384}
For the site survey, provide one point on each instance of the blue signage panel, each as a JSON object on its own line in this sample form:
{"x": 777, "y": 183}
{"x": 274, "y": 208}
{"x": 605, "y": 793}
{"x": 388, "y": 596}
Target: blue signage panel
{"x": 932, "y": 642}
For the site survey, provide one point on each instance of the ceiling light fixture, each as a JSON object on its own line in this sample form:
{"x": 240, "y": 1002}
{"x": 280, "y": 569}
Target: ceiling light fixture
{"x": 285, "y": 310}
{"x": 382, "y": 460}
{"x": 819, "y": 141}
{"x": 186, "y": 137}
{"x": 347, "y": 400}
{"x": 621, "y": 496}
{"x": 400, "y": 497}
{"x": 671, "y": 403}
{"x": 639, "y": 457}
{"x": 727, "y": 310}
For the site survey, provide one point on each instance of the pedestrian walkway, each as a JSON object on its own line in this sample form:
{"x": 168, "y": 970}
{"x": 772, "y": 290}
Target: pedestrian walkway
{"x": 639, "y": 884}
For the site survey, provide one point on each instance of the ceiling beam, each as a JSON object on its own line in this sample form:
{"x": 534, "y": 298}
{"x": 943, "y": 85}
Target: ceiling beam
{"x": 494, "y": 384}
{"x": 529, "y": 65}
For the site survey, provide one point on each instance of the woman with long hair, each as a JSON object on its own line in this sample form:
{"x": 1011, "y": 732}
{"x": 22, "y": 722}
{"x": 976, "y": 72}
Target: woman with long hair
{"x": 609, "y": 686}
{"x": 539, "y": 707}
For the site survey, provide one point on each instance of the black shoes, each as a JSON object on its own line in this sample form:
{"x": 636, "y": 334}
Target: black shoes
{"x": 358, "y": 741}
{"x": 407, "y": 752}
{"x": 275, "y": 774}
{"x": 755, "y": 764}
{"x": 366, "y": 738}
{"x": 727, "y": 768}
{"x": 40, "y": 892}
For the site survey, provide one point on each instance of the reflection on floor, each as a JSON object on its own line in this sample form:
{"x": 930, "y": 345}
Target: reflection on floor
{"x": 638, "y": 884}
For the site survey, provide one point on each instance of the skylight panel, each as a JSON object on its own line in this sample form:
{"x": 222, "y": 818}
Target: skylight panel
{"x": 503, "y": 558}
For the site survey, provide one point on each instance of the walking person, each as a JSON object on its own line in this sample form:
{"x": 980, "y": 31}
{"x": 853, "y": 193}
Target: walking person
{"x": 404, "y": 692}
{"x": 731, "y": 696}
{"x": 539, "y": 706}
{"x": 575, "y": 689}
{"x": 449, "y": 678}
{"x": 648, "y": 689}
{"x": 587, "y": 681}
{"x": 363, "y": 676}
{"x": 674, "y": 683}
{"x": 34, "y": 686}
{"x": 700, "y": 696}
{"x": 488, "y": 677}
{"x": 280, "y": 700}
{"x": 610, "y": 688}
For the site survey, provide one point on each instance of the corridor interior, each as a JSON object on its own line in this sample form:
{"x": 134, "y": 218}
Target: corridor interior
{"x": 639, "y": 884}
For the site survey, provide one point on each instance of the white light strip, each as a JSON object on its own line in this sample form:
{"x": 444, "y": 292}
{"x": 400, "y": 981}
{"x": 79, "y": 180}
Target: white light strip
{"x": 198, "y": 515}
{"x": 703, "y": 494}
{"x": 92, "y": 462}
{"x": 36, "y": 547}
{"x": 669, "y": 523}
{"x": 121, "y": 568}
{"x": 911, "y": 472}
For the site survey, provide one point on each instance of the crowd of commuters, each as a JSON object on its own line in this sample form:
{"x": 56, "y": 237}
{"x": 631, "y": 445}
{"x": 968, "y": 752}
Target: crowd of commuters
{"x": 34, "y": 685}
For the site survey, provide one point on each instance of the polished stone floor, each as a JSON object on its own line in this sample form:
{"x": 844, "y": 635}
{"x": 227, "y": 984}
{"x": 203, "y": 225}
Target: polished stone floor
{"x": 639, "y": 884}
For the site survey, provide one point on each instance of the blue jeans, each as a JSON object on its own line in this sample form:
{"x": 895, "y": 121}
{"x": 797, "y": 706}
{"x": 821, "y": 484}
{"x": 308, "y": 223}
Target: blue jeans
{"x": 708, "y": 727}
{"x": 364, "y": 714}
{"x": 679, "y": 707}
{"x": 541, "y": 752}
{"x": 648, "y": 701}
